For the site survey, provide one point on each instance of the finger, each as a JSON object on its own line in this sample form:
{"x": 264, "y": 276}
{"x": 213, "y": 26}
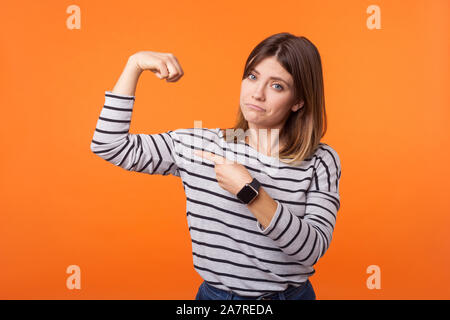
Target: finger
{"x": 179, "y": 69}
{"x": 200, "y": 153}
{"x": 178, "y": 65}
{"x": 178, "y": 72}
{"x": 162, "y": 72}
{"x": 173, "y": 72}
{"x": 204, "y": 154}
{"x": 211, "y": 156}
{"x": 218, "y": 159}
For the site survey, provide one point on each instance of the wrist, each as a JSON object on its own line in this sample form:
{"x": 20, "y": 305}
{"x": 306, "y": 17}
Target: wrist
{"x": 133, "y": 66}
{"x": 249, "y": 192}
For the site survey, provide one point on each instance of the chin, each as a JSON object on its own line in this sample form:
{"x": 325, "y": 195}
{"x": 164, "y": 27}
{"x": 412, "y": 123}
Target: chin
{"x": 251, "y": 118}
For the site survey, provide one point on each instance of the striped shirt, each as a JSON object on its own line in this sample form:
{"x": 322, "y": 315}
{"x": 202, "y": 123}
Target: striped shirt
{"x": 230, "y": 248}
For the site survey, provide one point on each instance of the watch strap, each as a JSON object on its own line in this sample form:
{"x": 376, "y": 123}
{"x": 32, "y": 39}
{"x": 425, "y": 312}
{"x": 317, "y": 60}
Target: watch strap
{"x": 255, "y": 184}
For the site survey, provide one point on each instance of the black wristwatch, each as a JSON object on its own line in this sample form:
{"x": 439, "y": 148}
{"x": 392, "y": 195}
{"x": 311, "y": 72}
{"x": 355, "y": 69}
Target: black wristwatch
{"x": 249, "y": 192}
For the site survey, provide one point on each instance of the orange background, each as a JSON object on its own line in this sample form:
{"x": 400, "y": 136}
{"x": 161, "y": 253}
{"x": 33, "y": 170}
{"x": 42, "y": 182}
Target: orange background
{"x": 387, "y": 103}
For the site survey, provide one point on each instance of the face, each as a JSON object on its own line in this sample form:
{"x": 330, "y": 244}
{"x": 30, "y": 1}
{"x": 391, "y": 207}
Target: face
{"x": 275, "y": 96}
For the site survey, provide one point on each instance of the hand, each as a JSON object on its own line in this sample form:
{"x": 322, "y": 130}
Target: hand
{"x": 231, "y": 176}
{"x": 164, "y": 65}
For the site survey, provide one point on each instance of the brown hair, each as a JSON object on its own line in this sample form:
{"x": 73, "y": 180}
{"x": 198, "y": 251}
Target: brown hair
{"x": 304, "y": 128}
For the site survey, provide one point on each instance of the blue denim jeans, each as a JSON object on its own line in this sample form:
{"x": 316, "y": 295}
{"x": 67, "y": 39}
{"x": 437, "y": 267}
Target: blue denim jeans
{"x": 303, "y": 292}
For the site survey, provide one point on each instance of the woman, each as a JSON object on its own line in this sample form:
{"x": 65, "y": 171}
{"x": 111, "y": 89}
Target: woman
{"x": 259, "y": 216}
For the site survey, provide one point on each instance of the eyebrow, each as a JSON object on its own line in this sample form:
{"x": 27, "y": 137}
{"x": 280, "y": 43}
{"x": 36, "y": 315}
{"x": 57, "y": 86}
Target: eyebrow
{"x": 275, "y": 78}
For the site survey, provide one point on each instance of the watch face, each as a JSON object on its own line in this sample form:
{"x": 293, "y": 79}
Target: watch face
{"x": 247, "y": 194}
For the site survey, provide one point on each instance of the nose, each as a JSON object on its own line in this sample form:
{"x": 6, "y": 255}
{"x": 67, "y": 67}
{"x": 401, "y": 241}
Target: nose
{"x": 258, "y": 94}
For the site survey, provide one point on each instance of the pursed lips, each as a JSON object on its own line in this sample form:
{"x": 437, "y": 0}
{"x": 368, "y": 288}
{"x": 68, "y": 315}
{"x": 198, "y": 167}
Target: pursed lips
{"x": 262, "y": 109}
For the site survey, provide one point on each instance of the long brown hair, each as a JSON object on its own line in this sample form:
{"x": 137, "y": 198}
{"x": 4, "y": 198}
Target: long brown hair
{"x": 304, "y": 128}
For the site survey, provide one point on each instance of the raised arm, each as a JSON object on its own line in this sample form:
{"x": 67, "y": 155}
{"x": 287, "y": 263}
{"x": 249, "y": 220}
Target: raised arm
{"x": 147, "y": 153}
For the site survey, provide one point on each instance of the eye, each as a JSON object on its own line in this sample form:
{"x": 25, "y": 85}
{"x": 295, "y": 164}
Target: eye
{"x": 281, "y": 87}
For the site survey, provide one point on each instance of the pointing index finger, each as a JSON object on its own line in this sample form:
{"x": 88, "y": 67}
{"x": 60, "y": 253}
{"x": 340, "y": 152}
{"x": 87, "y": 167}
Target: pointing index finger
{"x": 210, "y": 156}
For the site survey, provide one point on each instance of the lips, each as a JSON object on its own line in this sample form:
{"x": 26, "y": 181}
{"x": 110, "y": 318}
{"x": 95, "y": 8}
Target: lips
{"x": 253, "y": 105}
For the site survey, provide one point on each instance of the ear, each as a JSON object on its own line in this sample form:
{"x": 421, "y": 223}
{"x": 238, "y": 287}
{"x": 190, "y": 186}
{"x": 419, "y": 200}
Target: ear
{"x": 298, "y": 106}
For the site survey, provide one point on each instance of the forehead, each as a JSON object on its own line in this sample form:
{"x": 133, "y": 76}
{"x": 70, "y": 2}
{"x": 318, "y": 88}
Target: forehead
{"x": 271, "y": 68}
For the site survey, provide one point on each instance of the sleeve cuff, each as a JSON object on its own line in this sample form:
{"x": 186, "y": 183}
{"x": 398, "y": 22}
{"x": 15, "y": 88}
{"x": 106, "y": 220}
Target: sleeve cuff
{"x": 119, "y": 95}
{"x": 273, "y": 223}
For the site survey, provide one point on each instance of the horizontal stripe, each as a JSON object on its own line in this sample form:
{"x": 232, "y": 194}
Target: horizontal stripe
{"x": 266, "y": 261}
{"x": 240, "y": 277}
{"x": 118, "y": 96}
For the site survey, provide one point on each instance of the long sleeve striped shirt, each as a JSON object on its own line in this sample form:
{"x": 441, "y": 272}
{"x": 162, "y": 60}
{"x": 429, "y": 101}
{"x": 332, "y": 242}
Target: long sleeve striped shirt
{"x": 230, "y": 248}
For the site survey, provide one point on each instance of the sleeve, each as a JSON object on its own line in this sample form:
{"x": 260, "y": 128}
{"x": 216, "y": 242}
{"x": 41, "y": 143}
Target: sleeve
{"x": 307, "y": 238}
{"x": 146, "y": 153}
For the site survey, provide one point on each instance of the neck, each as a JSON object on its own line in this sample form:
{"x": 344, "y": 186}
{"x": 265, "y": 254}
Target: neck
{"x": 264, "y": 140}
